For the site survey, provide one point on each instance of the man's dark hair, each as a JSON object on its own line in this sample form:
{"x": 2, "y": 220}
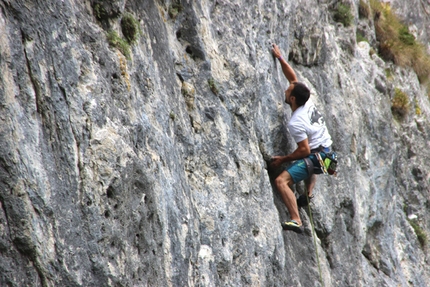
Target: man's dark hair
{"x": 301, "y": 92}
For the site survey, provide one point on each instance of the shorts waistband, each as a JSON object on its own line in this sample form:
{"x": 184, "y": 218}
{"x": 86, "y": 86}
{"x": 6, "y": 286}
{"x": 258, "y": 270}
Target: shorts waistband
{"x": 321, "y": 149}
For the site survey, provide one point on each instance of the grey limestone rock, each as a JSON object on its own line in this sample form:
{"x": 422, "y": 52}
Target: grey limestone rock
{"x": 151, "y": 169}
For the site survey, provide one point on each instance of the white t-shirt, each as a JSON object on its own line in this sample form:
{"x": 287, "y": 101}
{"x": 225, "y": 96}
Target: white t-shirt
{"x": 307, "y": 122}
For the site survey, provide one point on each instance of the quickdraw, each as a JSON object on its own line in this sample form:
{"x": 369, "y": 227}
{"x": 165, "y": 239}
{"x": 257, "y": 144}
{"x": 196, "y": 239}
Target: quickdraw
{"x": 329, "y": 164}
{"x": 322, "y": 165}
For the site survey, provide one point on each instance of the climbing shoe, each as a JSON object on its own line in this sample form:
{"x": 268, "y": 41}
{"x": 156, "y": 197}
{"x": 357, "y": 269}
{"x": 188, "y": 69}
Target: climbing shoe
{"x": 293, "y": 226}
{"x": 302, "y": 201}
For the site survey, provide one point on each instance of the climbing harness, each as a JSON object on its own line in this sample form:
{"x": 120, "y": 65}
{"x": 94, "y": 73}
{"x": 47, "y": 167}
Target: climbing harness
{"x": 309, "y": 165}
{"x": 327, "y": 165}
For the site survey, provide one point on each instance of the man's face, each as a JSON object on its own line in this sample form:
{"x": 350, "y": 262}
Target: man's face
{"x": 288, "y": 94}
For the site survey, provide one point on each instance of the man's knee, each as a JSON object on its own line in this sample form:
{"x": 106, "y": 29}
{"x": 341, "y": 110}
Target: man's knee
{"x": 284, "y": 178}
{"x": 279, "y": 181}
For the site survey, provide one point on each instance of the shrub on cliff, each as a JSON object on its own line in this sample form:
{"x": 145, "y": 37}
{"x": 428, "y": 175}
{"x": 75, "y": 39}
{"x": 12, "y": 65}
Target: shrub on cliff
{"x": 400, "y": 104}
{"x": 130, "y": 28}
{"x": 116, "y": 41}
{"x": 343, "y": 15}
{"x": 397, "y": 44}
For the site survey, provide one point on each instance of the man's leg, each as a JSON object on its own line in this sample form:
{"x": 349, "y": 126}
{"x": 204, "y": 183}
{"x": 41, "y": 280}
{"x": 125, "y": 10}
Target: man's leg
{"x": 283, "y": 183}
{"x": 310, "y": 184}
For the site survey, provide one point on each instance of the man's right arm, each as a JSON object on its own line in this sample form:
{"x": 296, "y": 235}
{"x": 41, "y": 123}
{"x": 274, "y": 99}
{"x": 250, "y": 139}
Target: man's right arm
{"x": 286, "y": 68}
{"x": 303, "y": 150}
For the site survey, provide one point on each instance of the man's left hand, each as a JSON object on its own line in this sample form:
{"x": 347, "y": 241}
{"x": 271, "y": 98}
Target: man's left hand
{"x": 277, "y": 161}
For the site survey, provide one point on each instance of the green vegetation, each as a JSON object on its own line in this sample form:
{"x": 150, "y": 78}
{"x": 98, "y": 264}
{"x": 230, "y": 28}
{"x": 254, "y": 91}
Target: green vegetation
{"x": 174, "y": 9}
{"x": 130, "y": 28}
{"x": 418, "y": 111}
{"x": 213, "y": 86}
{"x": 100, "y": 12}
{"x": 363, "y": 10}
{"x": 397, "y": 44}
{"x": 116, "y": 41}
{"x": 421, "y": 235}
{"x": 405, "y": 37}
{"x": 172, "y": 116}
{"x": 343, "y": 15}
{"x": 360, "y": 37}
{"x": 389, "y": 74}
{"x": 400, "y": 104}
{"x": 104, "y": 10}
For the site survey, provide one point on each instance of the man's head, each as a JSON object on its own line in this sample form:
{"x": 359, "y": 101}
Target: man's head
{"x": 299, "y": 91}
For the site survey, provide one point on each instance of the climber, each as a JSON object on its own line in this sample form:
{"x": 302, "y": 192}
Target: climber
{"x": 308, "y": 129}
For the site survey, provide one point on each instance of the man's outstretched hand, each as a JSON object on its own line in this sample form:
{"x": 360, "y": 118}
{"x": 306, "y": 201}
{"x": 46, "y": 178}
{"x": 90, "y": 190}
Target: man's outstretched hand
{"x": 276, "y": 51}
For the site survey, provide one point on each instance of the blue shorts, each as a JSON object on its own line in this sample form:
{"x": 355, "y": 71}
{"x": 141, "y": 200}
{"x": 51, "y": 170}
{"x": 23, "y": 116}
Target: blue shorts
{"x": 299, "y": 171}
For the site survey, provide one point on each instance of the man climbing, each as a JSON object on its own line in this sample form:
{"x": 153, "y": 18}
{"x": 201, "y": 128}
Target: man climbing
{"x": 308, "y": 129}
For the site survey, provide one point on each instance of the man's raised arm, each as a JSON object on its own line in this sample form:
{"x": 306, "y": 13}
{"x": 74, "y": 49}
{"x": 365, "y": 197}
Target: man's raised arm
{"x": 286, "y": 68}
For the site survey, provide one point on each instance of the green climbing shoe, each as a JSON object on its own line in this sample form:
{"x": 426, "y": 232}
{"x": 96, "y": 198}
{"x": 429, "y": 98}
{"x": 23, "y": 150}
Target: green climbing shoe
{"x": 293, "y": 226}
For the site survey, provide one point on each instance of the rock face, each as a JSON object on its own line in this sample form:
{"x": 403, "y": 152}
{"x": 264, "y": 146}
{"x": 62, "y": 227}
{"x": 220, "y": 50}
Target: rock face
{"x": 147, "y": 167}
